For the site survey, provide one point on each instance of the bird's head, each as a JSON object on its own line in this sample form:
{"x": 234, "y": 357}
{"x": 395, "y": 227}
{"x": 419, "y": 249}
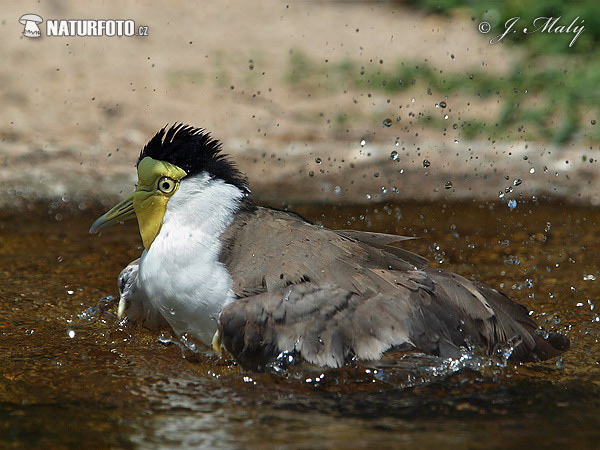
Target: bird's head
{"x": 169, "y": 159}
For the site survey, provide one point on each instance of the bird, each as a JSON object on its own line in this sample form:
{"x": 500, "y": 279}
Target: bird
{"x": 261, "y": 282}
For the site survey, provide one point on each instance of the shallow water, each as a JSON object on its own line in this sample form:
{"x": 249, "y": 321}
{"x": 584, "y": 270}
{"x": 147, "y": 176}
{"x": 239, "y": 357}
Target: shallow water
{"x": 69, "y": 379}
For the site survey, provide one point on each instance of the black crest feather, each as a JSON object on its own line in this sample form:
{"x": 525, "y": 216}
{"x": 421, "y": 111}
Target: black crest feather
{"x": 195, "y": 151}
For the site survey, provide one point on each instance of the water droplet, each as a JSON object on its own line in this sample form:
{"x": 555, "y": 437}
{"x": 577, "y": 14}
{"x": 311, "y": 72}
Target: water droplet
{"x": 318, "y": 160}
{"x": 71, "y": 333}
{"x": 446, "y": 116}
{"x": 368, "y": 196}
{"x": 337, "y": 190}
{"x": 172, "y": 311}
{"x": 394, "y": 156}
{"x": 532, "y": 170}
{"x": 448, "y": 185}
{"x": 387, "y": 122}
{"x": 589, "y": 278}
{"x": 593, "y": 122}
{"x": 517, "y": 182}
{"x": 443, "y": 104}
{"x": 426, "y": 163}
{"x": 166, "y": 338}
{"x": 512, "y": 204}
{"x": 362, "y": 143}
{"x": 311, "y": 174}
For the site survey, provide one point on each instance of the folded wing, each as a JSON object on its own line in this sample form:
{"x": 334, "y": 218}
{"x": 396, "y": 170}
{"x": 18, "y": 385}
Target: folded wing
{"x": 433, "y": 312}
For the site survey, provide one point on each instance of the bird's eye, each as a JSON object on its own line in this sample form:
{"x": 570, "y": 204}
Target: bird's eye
{"x": 166, "y": 185}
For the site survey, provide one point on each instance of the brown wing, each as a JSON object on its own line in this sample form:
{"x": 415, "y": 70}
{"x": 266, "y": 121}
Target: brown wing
{"x": 382, "y": 241}
{"x": 331, "y": 297}
{"x": 329, "y": 326}
{"x": 265, "y": 250}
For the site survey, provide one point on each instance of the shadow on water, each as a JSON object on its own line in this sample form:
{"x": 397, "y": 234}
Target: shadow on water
{"x": 68, "y": 378}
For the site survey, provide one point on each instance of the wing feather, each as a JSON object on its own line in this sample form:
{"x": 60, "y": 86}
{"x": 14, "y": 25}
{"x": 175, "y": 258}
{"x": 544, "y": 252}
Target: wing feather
{"x": 329, "y": 326}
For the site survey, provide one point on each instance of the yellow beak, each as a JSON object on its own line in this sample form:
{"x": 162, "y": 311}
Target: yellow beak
{"x": 119, "y": 213}
{"x": 148, "y": 203}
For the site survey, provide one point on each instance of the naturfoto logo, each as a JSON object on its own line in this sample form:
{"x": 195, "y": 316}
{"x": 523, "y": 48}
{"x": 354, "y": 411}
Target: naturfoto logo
{"x": 81, "y": 27}
{"x": 31, "y": 22}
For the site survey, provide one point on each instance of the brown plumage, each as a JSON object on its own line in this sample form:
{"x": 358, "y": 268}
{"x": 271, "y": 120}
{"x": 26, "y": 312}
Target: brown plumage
{"x": 331, "y": 296}
{"x": 328, "y": 296}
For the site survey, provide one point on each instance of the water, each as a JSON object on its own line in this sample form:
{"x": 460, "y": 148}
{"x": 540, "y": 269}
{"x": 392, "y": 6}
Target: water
{"x": 71, "y": 374}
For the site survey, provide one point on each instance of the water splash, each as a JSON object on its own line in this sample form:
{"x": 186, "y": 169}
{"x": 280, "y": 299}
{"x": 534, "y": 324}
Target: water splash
{"x": 93, "y": 313}
{"x": 283, "y": 362}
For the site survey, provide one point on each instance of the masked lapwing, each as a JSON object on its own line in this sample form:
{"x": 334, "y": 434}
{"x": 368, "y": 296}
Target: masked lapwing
{"x": 262, "y": 282}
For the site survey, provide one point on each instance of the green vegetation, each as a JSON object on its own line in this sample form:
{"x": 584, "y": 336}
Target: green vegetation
{"x": 554, "y": 94}
{"x": 549, "y": 98}
{"x": 185, "y": 77}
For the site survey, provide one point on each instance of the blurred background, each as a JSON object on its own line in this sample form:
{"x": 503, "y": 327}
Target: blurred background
{"x": 337, "y": 102}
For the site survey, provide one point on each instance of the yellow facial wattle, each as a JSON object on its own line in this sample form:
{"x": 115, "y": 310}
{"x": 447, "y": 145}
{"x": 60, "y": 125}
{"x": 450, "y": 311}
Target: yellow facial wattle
{"x": 157, "y": 182}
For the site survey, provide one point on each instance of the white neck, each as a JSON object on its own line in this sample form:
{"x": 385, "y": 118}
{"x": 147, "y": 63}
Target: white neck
{"x": 181, "y": 273}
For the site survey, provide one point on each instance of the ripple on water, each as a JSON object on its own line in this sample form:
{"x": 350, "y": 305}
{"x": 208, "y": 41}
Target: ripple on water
{"x": 117, "y": 385}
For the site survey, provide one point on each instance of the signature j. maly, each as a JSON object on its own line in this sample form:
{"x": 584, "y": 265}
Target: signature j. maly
{"x": 544, "y": 25}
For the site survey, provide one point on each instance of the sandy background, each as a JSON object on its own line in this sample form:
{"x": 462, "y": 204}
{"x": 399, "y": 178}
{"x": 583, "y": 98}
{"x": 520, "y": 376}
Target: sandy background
{"x": 76, "y": 111}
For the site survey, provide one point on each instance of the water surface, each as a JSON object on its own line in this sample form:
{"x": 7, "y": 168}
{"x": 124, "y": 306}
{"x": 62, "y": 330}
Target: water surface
{"x": 69, "y": 379}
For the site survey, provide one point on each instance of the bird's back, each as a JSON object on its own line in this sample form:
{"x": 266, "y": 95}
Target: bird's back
{"x": 334, "y": 295}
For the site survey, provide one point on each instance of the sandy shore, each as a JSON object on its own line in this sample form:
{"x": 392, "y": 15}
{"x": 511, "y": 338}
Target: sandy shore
{"x": 77, "y": 110}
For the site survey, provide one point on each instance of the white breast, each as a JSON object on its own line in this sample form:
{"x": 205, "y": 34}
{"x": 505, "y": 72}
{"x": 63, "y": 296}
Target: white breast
{"x": 181, "y": 273}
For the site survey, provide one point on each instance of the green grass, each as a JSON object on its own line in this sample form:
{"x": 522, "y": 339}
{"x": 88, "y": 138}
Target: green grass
{"x": 548, "y": 99}
{"x": 552, "y": 96}
{"x": 178, "y": 77}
